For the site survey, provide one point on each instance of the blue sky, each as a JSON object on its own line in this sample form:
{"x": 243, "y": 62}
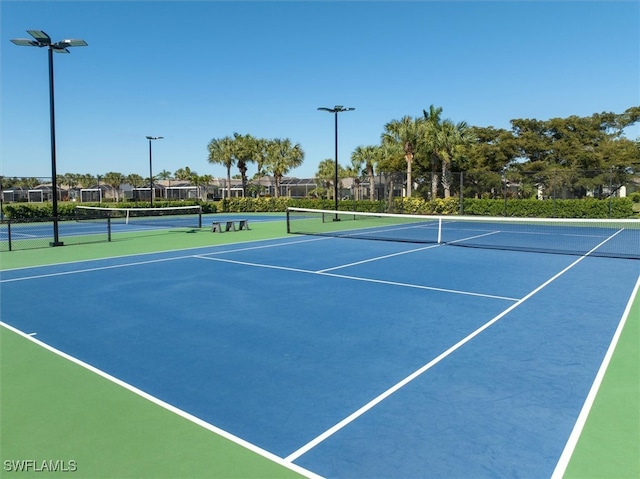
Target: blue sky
{"x": 194, "y": 71}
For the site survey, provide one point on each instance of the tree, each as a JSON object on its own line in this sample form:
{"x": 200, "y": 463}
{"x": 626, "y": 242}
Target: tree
{"x": 326, "y": 175}
{"x": 576, "y": 154}
{"x": 391, "y": 163}
{"x": 205, "y": 180}
{"x": 245, "y": 151}
{"x": 283, "y": 157}
{"x": 261, "y": 155}
{"x": 183, "y": 174}
{"x": 492, "y": 151}
{"x": 221, "y": 152}
{"x": 451, "y": 139}
{"x": 165, "y": 175}
{"x": 114, "y": 180}
{"x": 86, "y": 181}
{"x": 366, "y": 157}
{"x": 405, "y": 132}
{"x": 429, "y": 145}
{"x": 354, "y": 170}
{"x": 135, "y": 180}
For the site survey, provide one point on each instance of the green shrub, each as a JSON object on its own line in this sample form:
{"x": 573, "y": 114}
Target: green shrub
{"x": 581, "y": 208}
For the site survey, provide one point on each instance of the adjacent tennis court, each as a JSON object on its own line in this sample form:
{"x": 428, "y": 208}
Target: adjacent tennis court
{"x": 338, "y": 357}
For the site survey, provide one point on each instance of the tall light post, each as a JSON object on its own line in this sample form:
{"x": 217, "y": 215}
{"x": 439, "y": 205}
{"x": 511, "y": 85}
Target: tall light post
{"x": 41, "y": 39}
{"x": 151, "y": 138}
{"x": 335, "y": 110}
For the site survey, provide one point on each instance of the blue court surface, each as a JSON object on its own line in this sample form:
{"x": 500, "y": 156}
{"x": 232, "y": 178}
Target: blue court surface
{"x": 348, "y": 358}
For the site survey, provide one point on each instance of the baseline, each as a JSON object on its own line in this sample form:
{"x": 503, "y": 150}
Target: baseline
{"x": 165, "y": 405}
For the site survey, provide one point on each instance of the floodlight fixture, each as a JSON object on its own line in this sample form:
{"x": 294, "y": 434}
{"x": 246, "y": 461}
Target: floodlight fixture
{"x": 41, "y": 39}
{"x": 151, "y": 138}
{"x": 336, "y": 109}
{"x": 25, "y": 42}
{"x": 40, "y": 36}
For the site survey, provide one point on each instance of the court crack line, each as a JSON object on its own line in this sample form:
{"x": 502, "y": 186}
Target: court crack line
{"x": 356, "y": 414}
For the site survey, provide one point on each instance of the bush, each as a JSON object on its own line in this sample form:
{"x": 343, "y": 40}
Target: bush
{"x": 533, "y": 208}
{"x": 581, "y": 208}
{"x": 67, "y": 209}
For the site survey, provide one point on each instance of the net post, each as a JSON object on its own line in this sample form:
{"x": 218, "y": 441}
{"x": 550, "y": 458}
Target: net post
{"x": 200, "y": 217}
{"x": 109, "y": 228}
{"x": 439, "y": 230}
{"x": 288, "y": 225}
{"x": 9, "y": 233}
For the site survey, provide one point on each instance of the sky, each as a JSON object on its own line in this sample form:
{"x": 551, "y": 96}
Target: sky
{"x": 199, "y": 70}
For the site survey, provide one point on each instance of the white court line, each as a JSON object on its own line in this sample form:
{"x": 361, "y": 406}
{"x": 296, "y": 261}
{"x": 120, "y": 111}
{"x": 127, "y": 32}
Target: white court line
{"x": 405, "y": 252}
{"x": 475, "y": 237}
{"x": 91, "y": 260}
{"x": 356, "y": 414}
{"x": 356, "y": 278}
{"x": 570, "y": 446}
{"x": 137, "y": 263}
{"x": 377, "y": 258}
{"x": 87, "y": 270}
{"x": 417, "y": 286}
{"x": 167, "y": 406}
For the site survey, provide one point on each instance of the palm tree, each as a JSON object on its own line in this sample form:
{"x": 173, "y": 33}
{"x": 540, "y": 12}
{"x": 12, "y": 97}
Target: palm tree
{"x": 261, "y": 154}
{"x": 135, "y": 180}
{"x": 206, "y": 180}
{"x": 221, "y": 152}
{"x": 326, "y": 175}
{"x": 183, "y": 173}
{"x": 114, "y": 180}
{"x": 391, "y": 163}
{"x": 432, "y": 125}
{"x": 406, "y": 132}
{"x": 86, "y": 181}
{"x": 283, "y": 157}
{"x": 353, "y": 171}
{"x": 244, "y": 152}
{"x": 369, "y": 156}
{"x": 165, "y": 175}
{"x": 451, "y": 139}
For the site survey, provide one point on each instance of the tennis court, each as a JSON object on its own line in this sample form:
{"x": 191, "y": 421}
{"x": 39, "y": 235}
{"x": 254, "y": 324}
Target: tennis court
{"x": 102, "y": 224}
{"x": 338, "y": 357}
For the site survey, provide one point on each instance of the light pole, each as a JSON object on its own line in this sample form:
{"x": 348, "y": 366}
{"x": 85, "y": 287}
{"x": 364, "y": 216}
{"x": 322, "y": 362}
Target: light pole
{"x": 41, "y": 39}
{"x": 335, "y": 110}
{"x": 151, "y": 138}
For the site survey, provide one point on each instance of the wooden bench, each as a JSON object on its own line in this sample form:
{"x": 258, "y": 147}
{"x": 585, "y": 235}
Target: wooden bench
{"x": 223, "y": 226}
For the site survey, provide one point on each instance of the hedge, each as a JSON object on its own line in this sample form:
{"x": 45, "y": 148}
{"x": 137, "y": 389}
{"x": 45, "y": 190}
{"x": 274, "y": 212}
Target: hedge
{"x": 581, "y": 208}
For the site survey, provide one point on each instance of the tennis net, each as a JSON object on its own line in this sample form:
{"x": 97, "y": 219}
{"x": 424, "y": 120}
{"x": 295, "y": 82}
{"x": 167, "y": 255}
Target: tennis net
{"x": 618, "y": 238}
{"x": 168, "y": 217}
